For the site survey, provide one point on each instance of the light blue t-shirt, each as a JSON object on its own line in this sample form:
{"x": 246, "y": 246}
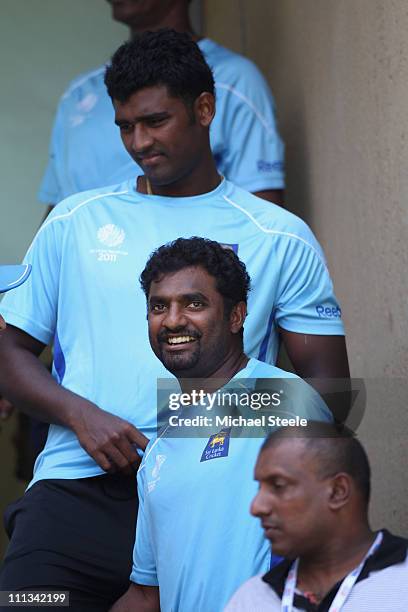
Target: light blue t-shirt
{"x": 84, "y": 294}
{"x": 199, "y": 556}
{"x": 86, "y": 150}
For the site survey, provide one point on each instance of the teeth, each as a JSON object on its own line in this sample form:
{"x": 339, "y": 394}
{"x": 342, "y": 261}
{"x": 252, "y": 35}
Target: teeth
{"x": 180, "y": 339}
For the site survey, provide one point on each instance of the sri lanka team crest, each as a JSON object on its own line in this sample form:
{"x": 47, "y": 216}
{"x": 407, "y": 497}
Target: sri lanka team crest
{"x": 217, "y": 445}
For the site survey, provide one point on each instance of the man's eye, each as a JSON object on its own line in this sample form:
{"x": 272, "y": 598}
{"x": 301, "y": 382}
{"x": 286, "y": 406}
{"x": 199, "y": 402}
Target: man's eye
{"x": 157, "y": 307}
{"x": 155, "y": 122}
{"x": 279, "y": 484}
{"x": 196, "y": 304}
{"x": 125, "y": 127}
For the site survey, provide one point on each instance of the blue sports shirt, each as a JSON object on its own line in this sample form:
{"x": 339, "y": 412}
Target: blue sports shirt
{"x": 84, "y": 294}
{"x": 200, "y": 555}
{"x": 86, "y": 150}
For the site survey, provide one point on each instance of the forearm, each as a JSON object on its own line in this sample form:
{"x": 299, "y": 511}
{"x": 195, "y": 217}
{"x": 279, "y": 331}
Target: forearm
{"x": 322, "y": 360}
{"x": 26, "y": 382}
{"x": 110, "y": 440}
{"x": 140, "y": 598}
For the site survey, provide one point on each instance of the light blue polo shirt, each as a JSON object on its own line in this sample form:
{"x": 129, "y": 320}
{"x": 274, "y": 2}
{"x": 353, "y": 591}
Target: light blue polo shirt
{"x": 86, "y": 150}
{"x": 84, "y": 294}
{"x": 195, "y": 537}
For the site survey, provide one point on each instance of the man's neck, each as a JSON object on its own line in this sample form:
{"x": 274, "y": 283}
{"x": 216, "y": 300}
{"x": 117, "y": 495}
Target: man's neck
{"x": 216, "y": 378}
{"x": 319, "y": 572}
{"x": 196, "y": 183}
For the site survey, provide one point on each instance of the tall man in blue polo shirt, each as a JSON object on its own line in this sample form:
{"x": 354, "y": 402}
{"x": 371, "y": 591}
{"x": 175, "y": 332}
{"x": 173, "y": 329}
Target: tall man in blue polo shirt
{"x": 86, "y": 149}
{"x": 100, "y": 400}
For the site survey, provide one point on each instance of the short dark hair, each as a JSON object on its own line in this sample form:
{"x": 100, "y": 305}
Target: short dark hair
{"x": 336, "y": 449}
{"x": 231, "y": 277}
{"x": 164, "y": 57}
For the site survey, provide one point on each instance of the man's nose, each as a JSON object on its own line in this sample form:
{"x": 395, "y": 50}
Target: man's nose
{"x": 142, "y": 139}
{"x": 175, "y": 318}
{"x": 259, "y": 507}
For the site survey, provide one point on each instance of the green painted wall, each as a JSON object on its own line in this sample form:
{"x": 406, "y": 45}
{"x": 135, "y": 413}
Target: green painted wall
{"x": 44, "y": 44}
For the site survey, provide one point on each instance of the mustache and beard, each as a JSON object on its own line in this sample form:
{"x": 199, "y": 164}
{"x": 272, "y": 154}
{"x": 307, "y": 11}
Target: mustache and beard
{"x": 187, "y": 357}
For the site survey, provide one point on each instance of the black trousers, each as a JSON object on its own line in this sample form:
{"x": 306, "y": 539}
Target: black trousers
{"x": 73, "y": 535}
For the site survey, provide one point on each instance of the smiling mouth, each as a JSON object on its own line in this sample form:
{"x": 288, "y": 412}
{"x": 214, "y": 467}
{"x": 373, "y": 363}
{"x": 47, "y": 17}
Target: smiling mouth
{"x": 180, "y": 340}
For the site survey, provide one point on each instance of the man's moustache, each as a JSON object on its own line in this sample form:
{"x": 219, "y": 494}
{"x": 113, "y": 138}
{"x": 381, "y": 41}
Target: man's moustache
{"x": 164, "y": 336}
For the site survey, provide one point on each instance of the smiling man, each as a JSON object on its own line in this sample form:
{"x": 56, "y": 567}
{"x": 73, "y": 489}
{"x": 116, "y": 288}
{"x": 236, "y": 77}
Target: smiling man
{"x": 195, "y": 540}
{"x": 314, "y": 490}
{"x": 100, "y": 399}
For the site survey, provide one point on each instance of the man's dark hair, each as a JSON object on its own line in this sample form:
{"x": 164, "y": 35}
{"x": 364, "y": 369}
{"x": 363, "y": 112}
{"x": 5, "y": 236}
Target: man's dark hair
{"x": 231, "y": 278}
{"x": 164, "y": 57}
{"x": 335, "y": 448}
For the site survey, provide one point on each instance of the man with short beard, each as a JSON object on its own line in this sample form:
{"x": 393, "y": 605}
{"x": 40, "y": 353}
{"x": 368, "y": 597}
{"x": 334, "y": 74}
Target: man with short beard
{"x": 195, "y": 540}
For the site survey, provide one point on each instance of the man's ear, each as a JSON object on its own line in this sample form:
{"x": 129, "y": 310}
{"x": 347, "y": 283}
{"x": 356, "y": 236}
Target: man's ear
{"x": 340, "y": 491}
{"x": 204, "y": 108}
{"x": 237, "y": 317}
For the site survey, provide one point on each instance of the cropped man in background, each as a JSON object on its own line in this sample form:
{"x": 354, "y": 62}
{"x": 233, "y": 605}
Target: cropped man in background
{"x": 86, "y": 150}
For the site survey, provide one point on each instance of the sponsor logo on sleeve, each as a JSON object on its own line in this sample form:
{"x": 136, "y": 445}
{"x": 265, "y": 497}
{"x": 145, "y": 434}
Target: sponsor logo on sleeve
{"x": 83, "y": 108}
{"x": 267, "y": 166}
{"x": 328, "y": 312}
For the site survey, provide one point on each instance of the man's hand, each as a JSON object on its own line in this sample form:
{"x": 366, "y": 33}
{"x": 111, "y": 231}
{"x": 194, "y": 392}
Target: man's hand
{"x": 108, "y": 439}
{"x": 138, "y": 598}
{"x": 26, "y": 382}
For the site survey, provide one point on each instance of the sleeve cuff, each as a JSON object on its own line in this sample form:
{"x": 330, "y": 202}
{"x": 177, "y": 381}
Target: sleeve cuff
{"x": 46, "y": 197}
{"x": 36, "y": 330}
{"x": 144, "y": 577}
{"x": 263, "y": 184}
{"x": 315, "y": 328}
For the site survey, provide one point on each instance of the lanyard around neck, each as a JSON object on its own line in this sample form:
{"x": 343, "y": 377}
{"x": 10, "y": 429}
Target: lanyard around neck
{"x": 344, "y": 589}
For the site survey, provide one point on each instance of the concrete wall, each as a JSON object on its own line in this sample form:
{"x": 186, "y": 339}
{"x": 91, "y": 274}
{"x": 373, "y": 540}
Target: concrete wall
{"x": 339, "y": 73}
